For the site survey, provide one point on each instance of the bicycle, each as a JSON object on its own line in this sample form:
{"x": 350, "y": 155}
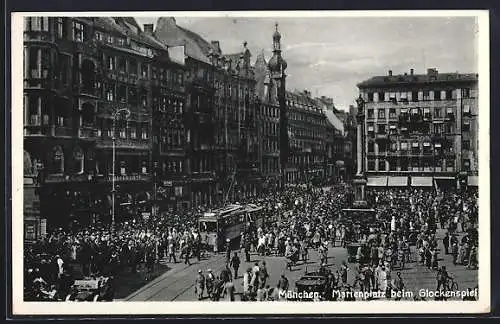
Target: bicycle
{"x": 452, "y": 284}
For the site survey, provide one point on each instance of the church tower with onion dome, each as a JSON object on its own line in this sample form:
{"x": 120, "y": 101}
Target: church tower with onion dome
{"x": 277, "y": 66}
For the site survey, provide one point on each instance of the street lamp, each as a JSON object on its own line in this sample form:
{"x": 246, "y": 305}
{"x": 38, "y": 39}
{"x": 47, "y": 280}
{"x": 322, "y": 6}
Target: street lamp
{"x": 126, "y": 114}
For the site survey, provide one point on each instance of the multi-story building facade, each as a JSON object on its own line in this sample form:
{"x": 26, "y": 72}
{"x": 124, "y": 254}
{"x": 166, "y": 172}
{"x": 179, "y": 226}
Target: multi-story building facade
{"x": 222, "y": 124}
{"x": 307, "y": 137}
{"x": 421, "y": 128}
{"x": 269, "y": 123}
{"x": 190, "y": 125}
{"x": 336, "y": 143}
{"x": 78, "y": 74}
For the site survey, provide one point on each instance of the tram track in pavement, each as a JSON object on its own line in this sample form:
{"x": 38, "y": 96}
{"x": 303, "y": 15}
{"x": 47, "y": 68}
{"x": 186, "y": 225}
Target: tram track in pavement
{"x": 185, "y": 278}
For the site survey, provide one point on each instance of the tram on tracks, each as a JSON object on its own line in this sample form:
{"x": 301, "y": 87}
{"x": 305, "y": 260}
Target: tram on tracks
{"x": 228, "y": 223}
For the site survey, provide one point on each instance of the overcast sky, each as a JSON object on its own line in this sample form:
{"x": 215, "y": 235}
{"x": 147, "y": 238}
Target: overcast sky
{"x": 329, "y": 56}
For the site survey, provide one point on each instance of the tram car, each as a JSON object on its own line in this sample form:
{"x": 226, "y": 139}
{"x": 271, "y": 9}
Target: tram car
{"x": 228, "y": 223}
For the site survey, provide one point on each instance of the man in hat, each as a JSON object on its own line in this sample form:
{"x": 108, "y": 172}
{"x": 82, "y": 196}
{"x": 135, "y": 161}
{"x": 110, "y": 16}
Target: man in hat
{"x": 349, "y": 294}
{"x": 446, "y": 242}
{"x": 283, "y": 283}
{"x": 398, "y": 284}
{"x": 171, "y": 251}
{"x": 209, "y": 282}
{"x": 263, "y": 274}
{"x": 228, "y": 251}
{"x": 247, "y": 277}
{"x": 199, "y": 284}
{"x": 235, "y": 263}
{"x": 186, "y": 252}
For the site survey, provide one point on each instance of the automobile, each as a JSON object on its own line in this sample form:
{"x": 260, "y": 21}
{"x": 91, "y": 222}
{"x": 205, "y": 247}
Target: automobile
{"x": 313, "y": 281}
{"x": 92, "y": 289}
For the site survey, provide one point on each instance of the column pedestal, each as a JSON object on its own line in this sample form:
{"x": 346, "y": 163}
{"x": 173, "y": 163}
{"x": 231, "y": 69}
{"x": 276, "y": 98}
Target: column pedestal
{"x": 359, "y": 184}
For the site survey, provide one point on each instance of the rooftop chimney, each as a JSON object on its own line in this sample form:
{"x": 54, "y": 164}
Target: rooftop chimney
{"x": 411, "y": 71}
{"x": 432, "y": 71}
{"x": 216, "y": 46}
{"x": 390, "y": 72}
{"x": 148, "y": 29}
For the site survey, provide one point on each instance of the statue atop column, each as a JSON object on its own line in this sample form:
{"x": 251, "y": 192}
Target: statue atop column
{"x": 359, "y": 182}
{"x": 361, "y": 105}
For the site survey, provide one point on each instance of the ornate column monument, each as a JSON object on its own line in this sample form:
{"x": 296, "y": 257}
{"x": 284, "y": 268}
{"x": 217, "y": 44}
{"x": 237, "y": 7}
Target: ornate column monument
{"x": 359, "y": 181}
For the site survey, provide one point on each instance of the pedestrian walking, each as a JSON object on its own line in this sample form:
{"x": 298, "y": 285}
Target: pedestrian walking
{"x": 186, "y": 254}
{"x": 446, "y": 242}
{"x": 235, "y": 264}
{"x": 199, "y": 285}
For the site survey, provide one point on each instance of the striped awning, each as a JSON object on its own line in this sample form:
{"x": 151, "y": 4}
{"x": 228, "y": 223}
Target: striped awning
{"x": 473, "y": 181}
{"x": 421, "y": 181}
{"x": 376, "y": 182}
{"x": 397, "y": 182}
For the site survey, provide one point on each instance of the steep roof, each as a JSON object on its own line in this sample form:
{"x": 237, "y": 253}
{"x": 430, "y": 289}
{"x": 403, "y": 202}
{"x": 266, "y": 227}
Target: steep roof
{"x": 388, "y": 80}
{"x": 169, "y": 33}
{"x": 334, "y": 120}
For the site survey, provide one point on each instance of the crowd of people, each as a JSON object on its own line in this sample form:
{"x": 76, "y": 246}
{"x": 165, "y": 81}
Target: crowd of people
{"x": 299, "y": 218}
{"x": 310, "y": 218}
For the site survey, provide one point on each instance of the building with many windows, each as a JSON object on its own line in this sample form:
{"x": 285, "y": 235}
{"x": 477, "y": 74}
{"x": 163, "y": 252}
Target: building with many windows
{"x": 421, "y": 129}
{"x": 189, "y": 124}
{"x": 89, "y": 82}
{"x": 307, "y": 137}
{"x": 338, "y": 153}
{"x": 223, "y": 144}
{"x": 269, "y": 123}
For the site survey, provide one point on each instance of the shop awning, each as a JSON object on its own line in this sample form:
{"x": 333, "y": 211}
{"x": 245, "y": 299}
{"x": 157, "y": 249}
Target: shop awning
{"x": 473, "y": 181}
{"x": 421, "y": 181}
{"x": 397, "y": 182}
{"x": 376, "y": 182}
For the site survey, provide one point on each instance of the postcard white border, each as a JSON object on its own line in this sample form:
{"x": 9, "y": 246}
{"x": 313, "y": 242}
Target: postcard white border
{"x": 20, "y": 307}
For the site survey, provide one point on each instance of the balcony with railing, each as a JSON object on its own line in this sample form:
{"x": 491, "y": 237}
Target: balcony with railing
{"x": 36, "y": 128}
{"x": 124, "y": 178}
{"x": 87, "y": 133}
{"x": 197, "y": 176}
{"x": 60, "y": 178}
{"x": 39, "y": 36}
{"x": 87, "y": 90}
{"x": 62, "y": 131}
{"x": 123, "y": 143}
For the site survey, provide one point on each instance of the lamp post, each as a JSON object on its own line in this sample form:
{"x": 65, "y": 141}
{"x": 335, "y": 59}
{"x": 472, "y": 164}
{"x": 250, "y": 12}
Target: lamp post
{"x": 125, "y": 113}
